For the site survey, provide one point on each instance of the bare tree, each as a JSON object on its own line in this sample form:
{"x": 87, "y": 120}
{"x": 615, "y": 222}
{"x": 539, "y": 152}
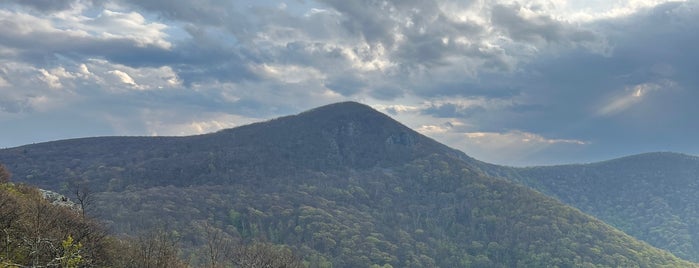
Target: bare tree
{"x": 266, "y": 255}
{"x": 83, "y": 196}
{"x": 156, "y": 249}
{"x": 9, "y": 214}
{"x": 5, "y": 174}
{"x": 218, "y": 245}
{"x": 36, "y": 233}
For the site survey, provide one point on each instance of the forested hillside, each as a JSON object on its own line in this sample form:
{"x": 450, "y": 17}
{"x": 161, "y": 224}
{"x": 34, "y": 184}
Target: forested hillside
{"x": 342, "y": 185}
{"x": 39, "y": 233}
{"x": 654, "y": 196}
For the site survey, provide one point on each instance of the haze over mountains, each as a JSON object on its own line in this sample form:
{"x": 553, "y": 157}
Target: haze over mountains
{"x": 347, "y": 185}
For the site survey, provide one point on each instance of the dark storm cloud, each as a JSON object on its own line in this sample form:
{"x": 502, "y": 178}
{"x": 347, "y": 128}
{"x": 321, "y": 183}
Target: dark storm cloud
{"x": 577, "y": 89}
{"x": 417, "y": 32}
{"x": 388, "y": 92}
{"x": 537, "y": 28}
{"x": 494, "y": 89}
{"x": 45, "y": 5}
{"x": 433, "y": 42}
{"x": 665, "y": 36}
{"x": 450, "y": 110}
{"x": 366, "y": 18}
{"x": 346, "y": 85}
{"x": 202, "y": 13}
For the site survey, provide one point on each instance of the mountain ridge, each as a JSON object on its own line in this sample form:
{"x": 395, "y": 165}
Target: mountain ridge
{"x": 342, "y": 183}
{"x": 648, "y": 195}
{"x": 342, "y": 135}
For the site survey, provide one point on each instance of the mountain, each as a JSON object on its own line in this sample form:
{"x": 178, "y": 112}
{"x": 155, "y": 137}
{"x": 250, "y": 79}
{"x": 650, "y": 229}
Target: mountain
{"x": 653, "y": 196}
{"x": 340, "y": 136}
{"x": 343, "y": 184}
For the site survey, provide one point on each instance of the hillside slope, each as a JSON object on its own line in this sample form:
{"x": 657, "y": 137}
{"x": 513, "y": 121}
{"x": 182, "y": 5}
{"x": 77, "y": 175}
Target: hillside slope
{"x": 343, "y": 184}
{"x": 653, "y": 196}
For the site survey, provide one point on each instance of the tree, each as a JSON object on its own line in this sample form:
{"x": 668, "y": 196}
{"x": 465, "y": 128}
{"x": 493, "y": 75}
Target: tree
{"x": 156, "y": 249}
{"x": 37, "y": 233}
{"x": 84, "y": 197}
{"x": 71, "y": 253}
{"x": 218, "y": 245}
{"x": 9, "y": 215}
{"x": 266, "y": 255}
{"x": 5, "y": 174}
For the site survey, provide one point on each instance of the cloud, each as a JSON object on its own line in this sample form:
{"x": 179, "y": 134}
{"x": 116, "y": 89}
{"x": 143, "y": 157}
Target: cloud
{"x": 123, "y": 77}
{"x": 212, "y": 123}
{"x": 205, "y": 12}
{"x": 464, "y": 107}
{"x": 45, "y": 5}
{"x": 288, "y": 74}
{"x": 110, "y": 35}
{"x": 523, "y": 24}
{"x": 546, "y": 71}
{"x": 52, "y": 80}
{"x": 506, "y": 140}
{"x": 29, "y": 89}
{"x": 3, "y": 82}
{"x": 347, "y": 85}
{"x": 517, "y": 147}
{"x": 513, "y": 147}
{"x": 397, "y": 109}
{"x": 128, "y": 25}
{"x": 632, "y": 96}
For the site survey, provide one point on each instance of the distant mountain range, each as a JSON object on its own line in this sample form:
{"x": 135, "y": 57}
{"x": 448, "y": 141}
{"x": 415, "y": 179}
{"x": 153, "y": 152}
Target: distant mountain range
{"x": 346, "y": 185}
{"x": 652, "y": 196}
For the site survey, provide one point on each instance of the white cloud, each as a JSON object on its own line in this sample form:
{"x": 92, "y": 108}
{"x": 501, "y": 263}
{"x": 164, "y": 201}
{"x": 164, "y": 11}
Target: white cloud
{"x": 77, "y": 31}
{"x": 4, "y": 83}
{"x": 156, "y": 126}
{"x": 112, "y": 77}
{"x": 511, "y": 147}
{"x": 288, "y": 73}
{"x": 130, "y": 25}
{"x": 84, "y": 70}
{"x": 513, "y": 139}
{"x": 52, "y": 80}
{"x": 123, "y": 77}
{"x": 366, "y": 57}
{"x": 397, "y": 108}
{"x": 432, "y": 129}
{"x": 586, "y": 11}
{"x": 24, "y": 24}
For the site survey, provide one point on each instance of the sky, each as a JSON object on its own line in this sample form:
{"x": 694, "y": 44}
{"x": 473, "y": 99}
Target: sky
{"x": 519, "y": 83}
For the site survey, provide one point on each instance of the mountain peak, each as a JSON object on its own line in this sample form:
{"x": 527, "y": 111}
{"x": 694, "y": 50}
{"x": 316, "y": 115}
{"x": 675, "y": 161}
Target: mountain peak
{"x": 345, "y": 134}
{"x": 351, "y": 114}
{"x": 347, "y": 106}
{"x": 340, "y": 136}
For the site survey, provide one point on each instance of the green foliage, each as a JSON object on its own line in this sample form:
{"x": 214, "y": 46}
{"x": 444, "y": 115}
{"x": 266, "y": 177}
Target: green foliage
{"x": 649, "y": 196}
{"x": 444, "y": 216}
{"x": 71, "y": 253}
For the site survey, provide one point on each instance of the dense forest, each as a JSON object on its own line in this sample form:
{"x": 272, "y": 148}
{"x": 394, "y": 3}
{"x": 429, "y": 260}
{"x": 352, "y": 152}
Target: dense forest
{"x": 39, "y": 233}
{"x": 341, "y": 186}
{"x": 650, "y": 196}
{"x": 46, "y": 229}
